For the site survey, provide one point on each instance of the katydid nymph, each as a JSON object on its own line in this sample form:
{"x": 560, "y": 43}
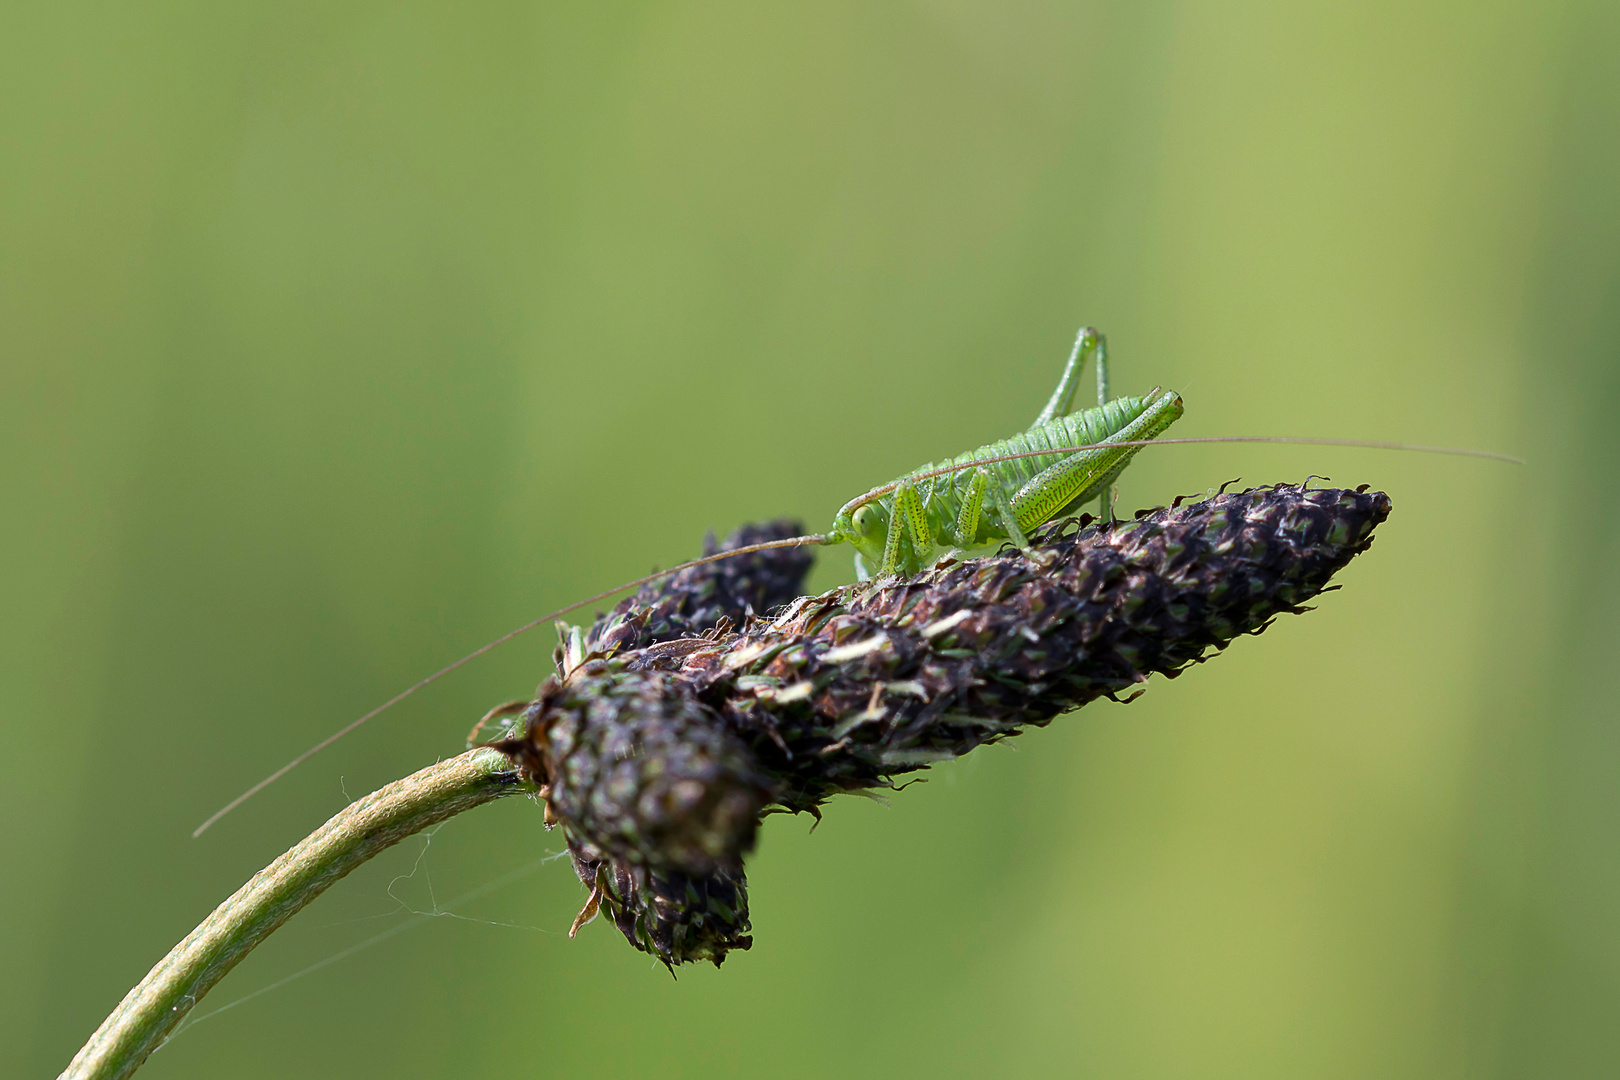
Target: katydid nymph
{"x": 1001, "y": 491}
{"x": 996, "y": 494}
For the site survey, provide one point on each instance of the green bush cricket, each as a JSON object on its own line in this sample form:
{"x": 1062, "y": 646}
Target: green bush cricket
{"x": 1004, "y": 489}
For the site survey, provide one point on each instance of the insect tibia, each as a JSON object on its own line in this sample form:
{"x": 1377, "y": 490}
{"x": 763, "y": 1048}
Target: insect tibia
{"x": 1088, "y": 342}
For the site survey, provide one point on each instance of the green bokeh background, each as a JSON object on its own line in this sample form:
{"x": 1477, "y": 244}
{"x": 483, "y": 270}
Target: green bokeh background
{"x": 337, "y": 339}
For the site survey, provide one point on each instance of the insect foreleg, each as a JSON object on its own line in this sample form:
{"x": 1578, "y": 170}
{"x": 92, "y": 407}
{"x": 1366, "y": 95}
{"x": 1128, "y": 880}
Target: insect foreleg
{"x": 909, "y": 516}
{"x": 1087, "y": 343}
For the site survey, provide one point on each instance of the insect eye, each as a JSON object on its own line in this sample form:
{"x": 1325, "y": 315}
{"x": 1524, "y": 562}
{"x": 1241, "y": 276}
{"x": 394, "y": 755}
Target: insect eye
{"x": 865, "y": 519}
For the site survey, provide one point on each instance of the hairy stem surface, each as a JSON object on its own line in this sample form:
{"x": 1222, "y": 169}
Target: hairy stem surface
{"x": 388, "y": 815}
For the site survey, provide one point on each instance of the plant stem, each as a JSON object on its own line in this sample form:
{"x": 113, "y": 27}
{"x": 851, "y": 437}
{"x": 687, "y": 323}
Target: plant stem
{"x": 362, "y": 829}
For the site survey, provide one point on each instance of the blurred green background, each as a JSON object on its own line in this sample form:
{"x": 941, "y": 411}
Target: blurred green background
{"x": 337, "y": 339}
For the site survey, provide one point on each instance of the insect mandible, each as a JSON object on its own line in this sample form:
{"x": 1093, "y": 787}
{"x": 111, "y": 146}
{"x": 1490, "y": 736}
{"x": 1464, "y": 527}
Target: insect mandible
{"x": 997, "y": 493}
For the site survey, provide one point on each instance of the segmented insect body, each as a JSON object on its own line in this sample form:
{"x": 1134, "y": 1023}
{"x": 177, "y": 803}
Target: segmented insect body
{"x": 1004, "y": 489}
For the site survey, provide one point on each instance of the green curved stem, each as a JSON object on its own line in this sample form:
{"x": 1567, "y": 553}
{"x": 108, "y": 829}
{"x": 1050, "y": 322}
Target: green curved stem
{"x": 362, "y": 829}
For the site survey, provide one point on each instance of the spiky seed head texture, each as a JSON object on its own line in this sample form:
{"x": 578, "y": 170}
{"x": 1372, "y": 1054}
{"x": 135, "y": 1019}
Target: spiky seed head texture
{"x": 684, "y": 918}
{"x": 676, "y": 917}
{"x": 865, "y": 683}
{"x": 853, "y": 688}
{"x": 645, "y": 772}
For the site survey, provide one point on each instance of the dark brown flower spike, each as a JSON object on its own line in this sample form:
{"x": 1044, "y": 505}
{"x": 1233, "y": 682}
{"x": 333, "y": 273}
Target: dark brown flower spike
{"x": 660, "y": 758}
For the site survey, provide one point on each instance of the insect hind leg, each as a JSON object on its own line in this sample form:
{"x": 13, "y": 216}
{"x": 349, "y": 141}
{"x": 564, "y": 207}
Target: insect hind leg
{"x": 1102, "y": 371}
{"x": 1105, "y": 502}
{"x": 1089, "y": 342}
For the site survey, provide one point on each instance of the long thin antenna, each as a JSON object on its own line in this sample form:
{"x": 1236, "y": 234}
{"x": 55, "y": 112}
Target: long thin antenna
{"x": 794, "y": 541}
{"x": 818, "y": 538}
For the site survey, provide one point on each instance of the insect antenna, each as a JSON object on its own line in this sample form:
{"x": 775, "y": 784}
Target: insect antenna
{"x": 748, "y": 549}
